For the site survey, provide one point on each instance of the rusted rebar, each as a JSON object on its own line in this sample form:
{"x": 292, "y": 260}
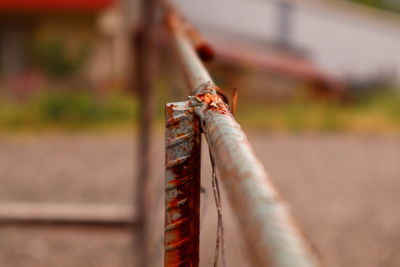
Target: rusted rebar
{"x": 182, "y": 186}
{"x": 271, "y": 237}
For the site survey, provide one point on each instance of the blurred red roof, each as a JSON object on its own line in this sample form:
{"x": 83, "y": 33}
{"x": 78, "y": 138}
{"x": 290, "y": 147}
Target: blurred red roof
{"x": 54, "y": 5}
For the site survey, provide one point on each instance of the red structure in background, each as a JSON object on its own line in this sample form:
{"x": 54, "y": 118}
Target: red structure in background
{"x": 55, "y": 5}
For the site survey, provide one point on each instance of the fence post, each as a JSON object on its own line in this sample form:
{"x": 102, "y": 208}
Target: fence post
{"x": 182, "y": 185}
{"x": 145, "y": 76}
{"x": 285, "y": 14}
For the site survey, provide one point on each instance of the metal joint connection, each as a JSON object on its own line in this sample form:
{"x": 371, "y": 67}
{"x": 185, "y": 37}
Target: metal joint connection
{"x": 271, "y": 237}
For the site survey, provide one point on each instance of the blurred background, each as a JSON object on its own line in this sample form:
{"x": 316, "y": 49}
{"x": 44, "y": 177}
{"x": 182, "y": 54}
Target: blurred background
{"x": 318, "y": 85}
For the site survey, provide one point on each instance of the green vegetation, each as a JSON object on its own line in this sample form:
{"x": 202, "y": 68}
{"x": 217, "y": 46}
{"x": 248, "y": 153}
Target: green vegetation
{"x": 82, "y": 110}
{"x": 377, "y": 113}
{"x": 67, "y": 110}
{"x": 54, "y": 59}
{"x": 390, "y": 5}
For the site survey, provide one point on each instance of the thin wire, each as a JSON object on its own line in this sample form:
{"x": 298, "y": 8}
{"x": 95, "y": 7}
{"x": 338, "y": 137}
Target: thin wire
{"x": 203, "y": 205}
{"x": 219, "y": 244}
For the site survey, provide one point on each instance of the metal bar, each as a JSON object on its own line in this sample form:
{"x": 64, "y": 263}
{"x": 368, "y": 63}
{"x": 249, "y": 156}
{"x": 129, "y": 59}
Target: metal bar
{"x": 270, "y": 235}
{"x": 195, "y": 73}
{"x": 202, "y": 47}
{"x": 187, "y": 38}
{"x": 19, "y": 213}
{"x": 182, "y": 186}
{"x": 284, "y": 25}
{"x": 145, "y": 74}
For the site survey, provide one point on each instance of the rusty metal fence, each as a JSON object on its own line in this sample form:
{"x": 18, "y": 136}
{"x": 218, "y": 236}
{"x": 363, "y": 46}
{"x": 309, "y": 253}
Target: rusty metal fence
{"x": 267, "y": 228}
{"x": 268, "y": 231}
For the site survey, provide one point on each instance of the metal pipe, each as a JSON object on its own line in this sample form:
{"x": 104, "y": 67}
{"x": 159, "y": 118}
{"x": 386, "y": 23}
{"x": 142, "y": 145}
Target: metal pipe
{"x": 270, "y": 235}
{"x": 202, "y": 47}
{"x": 21, "y": 214}
{"x": 182, "y": 186}
{"x": 195, "y": 72}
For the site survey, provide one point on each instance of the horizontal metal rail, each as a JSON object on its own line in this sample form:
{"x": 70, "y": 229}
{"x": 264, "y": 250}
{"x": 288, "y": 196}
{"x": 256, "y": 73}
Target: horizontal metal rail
{"x": 271, "y": 237}
{"x": 38, "y": 214}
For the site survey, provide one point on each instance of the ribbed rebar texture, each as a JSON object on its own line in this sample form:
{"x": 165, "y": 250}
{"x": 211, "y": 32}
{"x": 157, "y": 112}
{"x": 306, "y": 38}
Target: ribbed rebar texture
{"x": 182, "y": 186}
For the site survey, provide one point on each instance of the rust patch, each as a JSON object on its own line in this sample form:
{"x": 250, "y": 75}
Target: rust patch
{"x": 182, "y": 189}
{"x": 234, "y": 101}
{"x": 171, "y": 20}
{"x": 208, "y": 98}
{"x": 213, "y": 98}
{"x": 205, "y": 52}
{"x": 180, "y": 134}
{"x": 178, "y": 24}
{"x": 171, "y": 120}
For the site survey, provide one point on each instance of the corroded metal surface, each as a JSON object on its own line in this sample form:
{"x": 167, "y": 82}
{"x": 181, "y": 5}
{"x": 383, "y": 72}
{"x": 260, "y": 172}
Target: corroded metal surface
{"x": 177, "y": 23}
{"x": 268, "y": 230}
{"x": 195, "y": 73}
{"x": 182, "y": 186}
{"x": 271, "y": 237}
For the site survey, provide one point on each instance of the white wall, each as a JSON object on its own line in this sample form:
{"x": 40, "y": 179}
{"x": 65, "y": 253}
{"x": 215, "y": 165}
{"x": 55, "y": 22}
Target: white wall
{"x": 341, "y": 41}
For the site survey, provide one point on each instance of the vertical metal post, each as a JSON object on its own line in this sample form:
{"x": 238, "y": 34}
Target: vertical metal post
{"x": 145, "y": 74}
{"x": 285, "y": 9}
{"x": 182, "y": 186}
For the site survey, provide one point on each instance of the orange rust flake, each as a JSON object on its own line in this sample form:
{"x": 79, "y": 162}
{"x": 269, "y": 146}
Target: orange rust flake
{"x": 171, "y": 120}
{"x": 213, "y": 101}
{"x": 170, "y": 110}
{"x": 206, "y": 98}
{"x": 210, "y": 99}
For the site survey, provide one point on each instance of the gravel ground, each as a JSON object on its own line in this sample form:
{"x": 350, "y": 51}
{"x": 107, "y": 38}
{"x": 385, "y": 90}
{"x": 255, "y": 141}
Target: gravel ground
{"x": 342, "y": 189}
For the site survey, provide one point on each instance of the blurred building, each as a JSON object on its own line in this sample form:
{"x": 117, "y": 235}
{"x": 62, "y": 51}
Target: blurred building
{"x": 345, "y": 39}
{"x": 85, "y": 38}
